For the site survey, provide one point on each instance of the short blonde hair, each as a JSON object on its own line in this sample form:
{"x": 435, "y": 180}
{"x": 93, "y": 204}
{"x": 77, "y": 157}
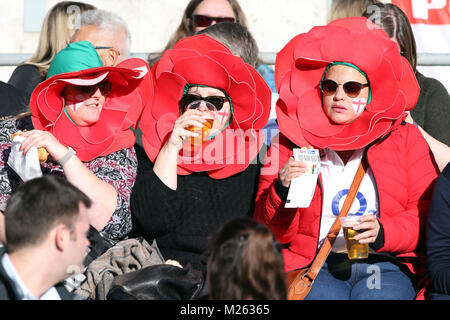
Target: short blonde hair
{"x": 57, "y": 29}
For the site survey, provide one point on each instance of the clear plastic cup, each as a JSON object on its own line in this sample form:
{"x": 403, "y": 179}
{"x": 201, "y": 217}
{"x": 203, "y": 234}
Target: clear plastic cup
{"x": 355, "y": 250}
{"x": 204, "y": 132}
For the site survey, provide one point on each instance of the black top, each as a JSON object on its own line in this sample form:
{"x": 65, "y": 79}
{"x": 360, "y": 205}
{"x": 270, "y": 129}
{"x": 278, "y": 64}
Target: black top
{"x": 25, "y": 78}
{"x": 183, "y": 221}
{"x": 13, "y": 101}
{"x": 438, "y": 235}
{"x": 433, "y": 108}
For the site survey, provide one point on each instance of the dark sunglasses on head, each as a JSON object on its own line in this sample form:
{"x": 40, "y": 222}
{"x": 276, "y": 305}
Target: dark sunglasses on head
{"x": 187, "y": 99}
{"x": 84, "y": 92}
{"x": 205, "y": 21}
{"x": 351, "y": 88}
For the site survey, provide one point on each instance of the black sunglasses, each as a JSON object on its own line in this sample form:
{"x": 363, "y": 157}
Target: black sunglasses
{"x": 205, "y": 21}
{"x": 84, "y": 92}
{"x": 351, "y": 88}
{"x": 187, "y": 99}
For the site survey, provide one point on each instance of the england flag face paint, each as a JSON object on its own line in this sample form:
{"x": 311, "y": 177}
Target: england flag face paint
{"x": 358, "y": 104}
{"x": 223, "y": 116}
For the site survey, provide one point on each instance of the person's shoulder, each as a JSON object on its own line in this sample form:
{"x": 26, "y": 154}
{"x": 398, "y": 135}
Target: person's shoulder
{"x": 446, "y": 172}
{"x": 6, "y": 289}
{"x": 27, "y": 68}
{"x": 428, "y": 84}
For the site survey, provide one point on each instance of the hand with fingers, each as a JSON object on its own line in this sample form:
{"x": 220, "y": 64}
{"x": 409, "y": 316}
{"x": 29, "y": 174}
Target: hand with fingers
{"x": 371, "y": 227}
{"x": 43, "y": 139}
{"x": 189, "y": 118}
{"x": 292, "y": 169}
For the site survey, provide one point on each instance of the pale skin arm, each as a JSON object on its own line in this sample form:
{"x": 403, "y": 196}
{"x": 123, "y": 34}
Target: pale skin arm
{"x": 102, "y": 194}
{"x": 166, "y": 163}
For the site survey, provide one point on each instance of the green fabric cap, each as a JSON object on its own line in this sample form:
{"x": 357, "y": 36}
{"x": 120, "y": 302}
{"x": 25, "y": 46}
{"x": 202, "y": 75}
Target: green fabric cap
{"x": 75, "y": 57}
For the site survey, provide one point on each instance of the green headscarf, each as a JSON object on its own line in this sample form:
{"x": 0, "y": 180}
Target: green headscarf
{"x": 75, "y": 57}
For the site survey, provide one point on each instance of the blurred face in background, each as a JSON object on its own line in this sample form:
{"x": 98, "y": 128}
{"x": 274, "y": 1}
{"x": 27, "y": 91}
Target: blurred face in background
{"x": 207, "y": 10}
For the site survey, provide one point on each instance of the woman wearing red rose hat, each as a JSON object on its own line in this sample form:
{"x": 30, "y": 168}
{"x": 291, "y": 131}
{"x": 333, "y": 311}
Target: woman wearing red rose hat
{"x": 82, "y": 115}
{"x": 344, "y": 89}
{"x": 194, "y": 181}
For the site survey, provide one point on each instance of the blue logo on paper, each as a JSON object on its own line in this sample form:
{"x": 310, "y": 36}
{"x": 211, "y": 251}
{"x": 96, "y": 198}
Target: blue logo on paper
{"x": 337, "y": 198}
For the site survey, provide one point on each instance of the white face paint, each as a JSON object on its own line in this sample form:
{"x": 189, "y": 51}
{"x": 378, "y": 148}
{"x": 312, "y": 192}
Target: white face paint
{"x": 74, "y": 106}
{"x": 358, "y": 104}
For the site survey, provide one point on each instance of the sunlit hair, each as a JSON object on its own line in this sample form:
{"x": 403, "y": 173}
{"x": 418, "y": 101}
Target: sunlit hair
{"x": 395, "y": 23}
{"x": 245, "y": 263}
{"x": 57, "y": 29}
{"x": 109, "y": 22}
{"x": 185, "y": 28}
{"x": 348, "y": 8}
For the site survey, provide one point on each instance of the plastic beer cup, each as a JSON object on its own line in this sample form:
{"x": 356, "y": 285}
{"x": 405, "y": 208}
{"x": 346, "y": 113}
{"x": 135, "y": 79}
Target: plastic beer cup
{"x": 208, "y": 110}
{"x": 355, "y": 250}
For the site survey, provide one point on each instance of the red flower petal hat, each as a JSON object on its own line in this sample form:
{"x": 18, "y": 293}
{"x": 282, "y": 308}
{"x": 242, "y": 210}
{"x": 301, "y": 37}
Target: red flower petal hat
{"x": 131, "y": 90}
{"x": 301, "y": 64}
{"x": 201, "y": 60}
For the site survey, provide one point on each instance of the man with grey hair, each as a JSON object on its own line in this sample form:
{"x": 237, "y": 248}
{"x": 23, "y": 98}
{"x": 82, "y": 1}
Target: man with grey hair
{"x": 107, "y": 32}
{"x": 237, "y": 38}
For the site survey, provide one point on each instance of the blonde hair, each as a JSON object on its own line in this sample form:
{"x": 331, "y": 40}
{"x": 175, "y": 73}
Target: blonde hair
{"x": 348, "y": 8}
{"x": 57, "y": 29}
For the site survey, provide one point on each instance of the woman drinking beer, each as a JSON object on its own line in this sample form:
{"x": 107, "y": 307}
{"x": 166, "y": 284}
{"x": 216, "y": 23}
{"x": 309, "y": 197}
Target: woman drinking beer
{"x": 344, "y": 90}
{"x": 200, "y": 135}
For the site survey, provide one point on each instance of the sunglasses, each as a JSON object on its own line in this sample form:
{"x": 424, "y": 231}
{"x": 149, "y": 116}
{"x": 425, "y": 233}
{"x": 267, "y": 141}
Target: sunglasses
{"x": 81, "y": 93}
{"x": 216, "y": 101}
{"x": 205, "y": 21}
{"x": 351, "y": 88}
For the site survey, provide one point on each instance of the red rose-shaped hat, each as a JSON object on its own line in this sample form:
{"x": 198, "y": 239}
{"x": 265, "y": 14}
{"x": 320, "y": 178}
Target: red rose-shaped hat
{"x": 131, "y": 90}
{"x": 301, "y": 64}
{"x": 201, "y": 60}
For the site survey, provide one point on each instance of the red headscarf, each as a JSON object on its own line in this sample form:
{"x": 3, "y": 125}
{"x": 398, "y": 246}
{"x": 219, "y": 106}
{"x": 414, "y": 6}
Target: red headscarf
{"x": 131, "y": 91}
{"x": 201, "y": 60}
{"x": 301, "y": 64}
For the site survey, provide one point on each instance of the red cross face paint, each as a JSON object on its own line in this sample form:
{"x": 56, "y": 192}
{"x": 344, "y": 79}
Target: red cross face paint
{"x": 358, "y": 104}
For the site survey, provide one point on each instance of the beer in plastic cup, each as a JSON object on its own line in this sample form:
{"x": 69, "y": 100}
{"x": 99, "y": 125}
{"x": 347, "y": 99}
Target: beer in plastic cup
{"x": 355, "y": 250}
{"x": 204, "y": 132}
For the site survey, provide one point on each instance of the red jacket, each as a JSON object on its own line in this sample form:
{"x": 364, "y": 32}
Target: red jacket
{"x": 404, "y": 172}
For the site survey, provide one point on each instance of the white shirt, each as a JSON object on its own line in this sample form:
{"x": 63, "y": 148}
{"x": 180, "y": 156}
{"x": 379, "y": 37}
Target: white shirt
{"x": 336, "y": 180}
{"x": 25, "y": 293}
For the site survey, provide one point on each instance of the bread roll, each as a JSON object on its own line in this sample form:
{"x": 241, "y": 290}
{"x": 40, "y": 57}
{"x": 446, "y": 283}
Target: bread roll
{"x": 42, "y": 152}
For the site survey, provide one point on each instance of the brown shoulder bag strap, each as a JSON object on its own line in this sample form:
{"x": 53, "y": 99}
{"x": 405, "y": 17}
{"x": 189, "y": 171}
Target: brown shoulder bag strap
{"x": 327, "y": 245}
